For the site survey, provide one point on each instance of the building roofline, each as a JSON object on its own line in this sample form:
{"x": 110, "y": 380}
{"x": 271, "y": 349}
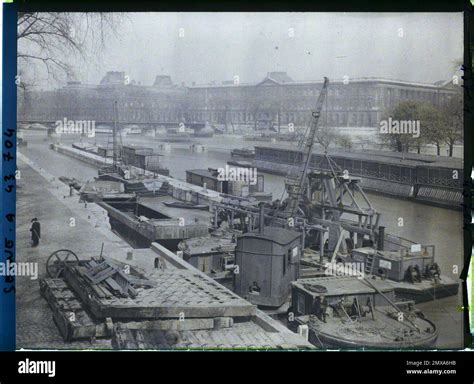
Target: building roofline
{"x": 336, "y": 81}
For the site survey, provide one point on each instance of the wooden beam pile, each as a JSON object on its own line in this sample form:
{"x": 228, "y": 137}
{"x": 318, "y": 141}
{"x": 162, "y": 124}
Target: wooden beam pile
{"x": 93, "y": 295}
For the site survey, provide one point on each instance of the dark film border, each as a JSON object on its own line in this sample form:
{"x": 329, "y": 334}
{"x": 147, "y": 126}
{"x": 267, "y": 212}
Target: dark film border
{"x": 7, "y": 301}
{"x": 8, "y": 193}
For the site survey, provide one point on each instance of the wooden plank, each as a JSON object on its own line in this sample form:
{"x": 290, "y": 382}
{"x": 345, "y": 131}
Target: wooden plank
{"x": 102, "y": 275}
{"x": 107, "y": 293}
{"x": 132, "y": 291}
{"x": 123, "y": 282}
{"x": 141, "y": 282}
{"x": 98, "y": 291}
{"x": 114, "y": 286}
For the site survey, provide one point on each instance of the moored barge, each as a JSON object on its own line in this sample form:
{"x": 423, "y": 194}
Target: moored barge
{"x": 349, "y": 312}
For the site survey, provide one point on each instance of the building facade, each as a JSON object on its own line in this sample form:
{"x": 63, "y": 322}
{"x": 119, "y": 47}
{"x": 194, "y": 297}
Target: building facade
{"x": 284, "y": 102}
{"x": 276, "y": 101}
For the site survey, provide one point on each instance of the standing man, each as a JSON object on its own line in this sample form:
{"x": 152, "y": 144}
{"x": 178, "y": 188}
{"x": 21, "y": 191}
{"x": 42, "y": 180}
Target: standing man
{"x": 319, "y": 308}
{"x": 35, "y": 231}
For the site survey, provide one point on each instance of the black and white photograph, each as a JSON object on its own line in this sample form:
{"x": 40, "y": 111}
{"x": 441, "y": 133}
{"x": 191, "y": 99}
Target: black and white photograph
{"x": 239, "y": 181}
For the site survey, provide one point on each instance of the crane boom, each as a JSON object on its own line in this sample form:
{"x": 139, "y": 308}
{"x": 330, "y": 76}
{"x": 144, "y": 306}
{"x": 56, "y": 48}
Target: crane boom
{"x": 295, "y": 185}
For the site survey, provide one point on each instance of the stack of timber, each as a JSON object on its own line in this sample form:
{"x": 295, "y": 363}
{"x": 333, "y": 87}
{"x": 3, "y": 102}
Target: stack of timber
{"x": 69, "y": 313}
{"x": 105, "y": 299}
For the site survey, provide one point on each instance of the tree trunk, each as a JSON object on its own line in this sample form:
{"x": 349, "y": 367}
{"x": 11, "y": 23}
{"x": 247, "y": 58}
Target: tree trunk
{"x": 438, "y": 149}
{"x": 451, "y": 145}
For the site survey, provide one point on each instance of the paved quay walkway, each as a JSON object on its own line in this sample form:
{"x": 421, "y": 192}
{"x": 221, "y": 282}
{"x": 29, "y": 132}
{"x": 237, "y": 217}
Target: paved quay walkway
{"x": 41, "y": 195}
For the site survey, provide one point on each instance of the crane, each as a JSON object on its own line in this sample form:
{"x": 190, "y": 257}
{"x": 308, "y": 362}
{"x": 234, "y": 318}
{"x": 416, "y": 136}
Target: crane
{"x": 296, "y": 184}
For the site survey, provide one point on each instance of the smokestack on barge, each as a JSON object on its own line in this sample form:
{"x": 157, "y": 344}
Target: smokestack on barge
{"x": 380, "y": 238}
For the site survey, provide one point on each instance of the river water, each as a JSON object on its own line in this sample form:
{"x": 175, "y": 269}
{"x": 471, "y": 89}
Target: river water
{"x": 421, "y": 223}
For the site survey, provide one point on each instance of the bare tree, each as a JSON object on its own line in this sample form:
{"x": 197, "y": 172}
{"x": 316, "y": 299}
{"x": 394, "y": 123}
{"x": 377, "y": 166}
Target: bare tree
{"x": 405, "y": 110}
{"x": 431, "y": 126}
{"x": 452, "y": 113}
{"x": 52, "y": 39}
{"x": 325, "y": 136}
{"x": 344, "y": 141}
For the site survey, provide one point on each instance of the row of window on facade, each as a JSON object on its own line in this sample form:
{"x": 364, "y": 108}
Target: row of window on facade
{"x": 283, "y": 104}
{"x": 433, "y": 96}
{"x": 292, "y": 91}
{"x": 387, "y": 98}
{"x": 144, "y": 115}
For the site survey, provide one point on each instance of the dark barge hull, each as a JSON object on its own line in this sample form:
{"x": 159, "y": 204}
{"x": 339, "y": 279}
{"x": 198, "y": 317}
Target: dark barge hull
{"x": 134, "y": 186}
{"x": 427, "y": 294}
{"x": 429, "y": 195}
{"x": 325, "y": 341}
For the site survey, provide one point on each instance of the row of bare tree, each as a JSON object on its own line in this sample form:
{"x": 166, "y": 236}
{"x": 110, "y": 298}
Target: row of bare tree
{"x": 439, "y": 125}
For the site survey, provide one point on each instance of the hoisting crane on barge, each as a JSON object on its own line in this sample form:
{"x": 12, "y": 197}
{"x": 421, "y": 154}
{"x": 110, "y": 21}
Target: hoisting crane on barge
{"x": 317, "y": 195}
{"x": 296, "y": 184}
{"x": 338, "y": 223}
{"x": 317, "y": 199}
{"x": 330, "y": 206}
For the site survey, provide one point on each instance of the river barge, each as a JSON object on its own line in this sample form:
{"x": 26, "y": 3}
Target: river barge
{"x": 134, "y": 155}
{"x": 245, "y": 153}
{"x": 149, "y": 220}
{"x": 242, "y": 182}
{"x": 429, "y": 179}
{"x": 350, "y": 312}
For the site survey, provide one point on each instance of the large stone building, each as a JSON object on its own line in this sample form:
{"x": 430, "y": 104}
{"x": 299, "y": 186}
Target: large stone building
{"x": 159, "y": 103}
{"x": 277, "y": 100}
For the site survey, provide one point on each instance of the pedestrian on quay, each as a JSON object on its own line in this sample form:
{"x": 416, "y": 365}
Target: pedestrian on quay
{"x": 35, "y": 231}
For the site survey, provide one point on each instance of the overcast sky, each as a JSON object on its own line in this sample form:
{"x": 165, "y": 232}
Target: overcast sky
{"x": 218, "y": 46}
